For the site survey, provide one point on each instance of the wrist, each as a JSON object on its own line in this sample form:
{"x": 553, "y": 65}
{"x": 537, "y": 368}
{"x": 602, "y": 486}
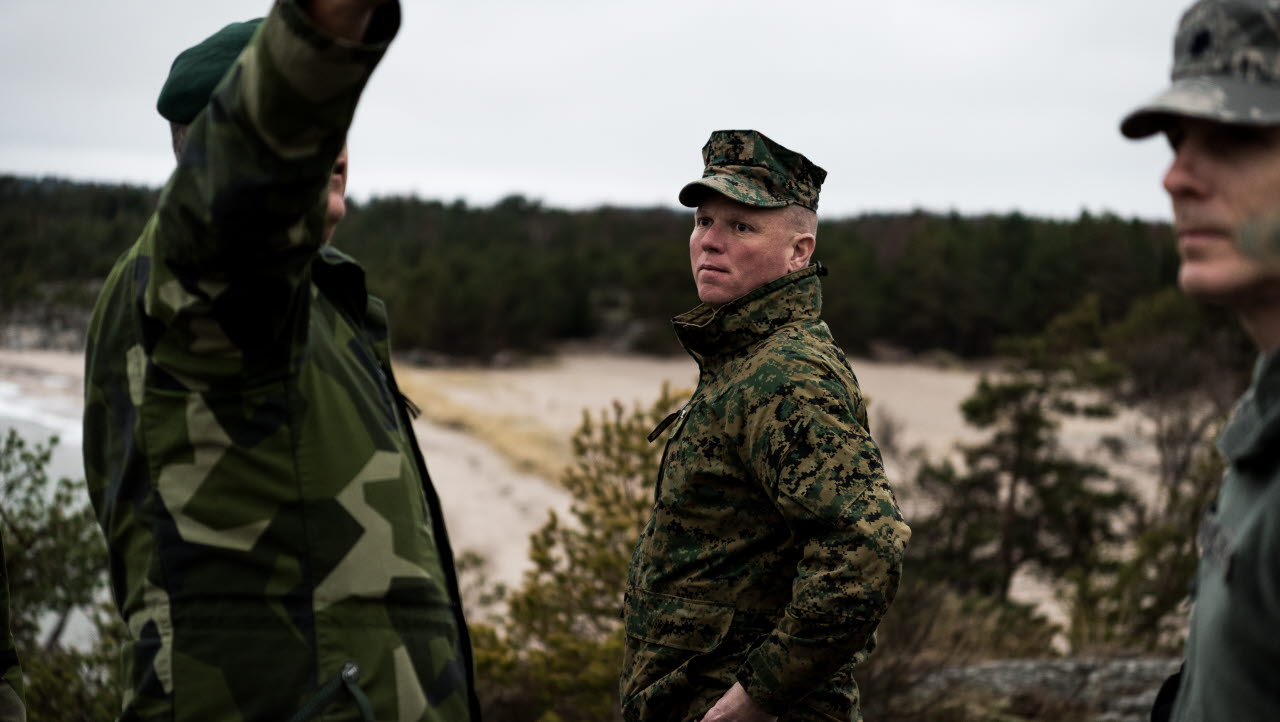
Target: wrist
{"x": 762, "y": 689}
{"x": 346, "y": 19}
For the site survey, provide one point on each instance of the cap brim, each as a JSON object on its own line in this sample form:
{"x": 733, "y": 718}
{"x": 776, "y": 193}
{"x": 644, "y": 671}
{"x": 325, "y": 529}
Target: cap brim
{"x": 693, "y": 193}
{"x": 1223, "y": 99}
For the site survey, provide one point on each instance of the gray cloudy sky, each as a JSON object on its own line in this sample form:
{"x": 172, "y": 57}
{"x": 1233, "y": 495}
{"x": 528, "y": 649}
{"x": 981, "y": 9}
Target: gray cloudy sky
{"x": 978, "y": 105}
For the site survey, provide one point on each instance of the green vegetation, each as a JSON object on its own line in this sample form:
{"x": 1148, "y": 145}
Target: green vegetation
{"x": 555, "y": 655}
{"x": 1121, "y": 561}
{"x": 517, "y": 276}
{"x": 57, "y": 568}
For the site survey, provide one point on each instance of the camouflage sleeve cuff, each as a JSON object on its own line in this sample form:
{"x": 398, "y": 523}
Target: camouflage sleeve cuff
{"x": 784, "y": 668}
{"x": 308, "y": 82}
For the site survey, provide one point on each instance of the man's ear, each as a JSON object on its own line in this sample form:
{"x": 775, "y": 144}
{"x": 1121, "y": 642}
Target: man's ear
{"x": 802, "y": 245}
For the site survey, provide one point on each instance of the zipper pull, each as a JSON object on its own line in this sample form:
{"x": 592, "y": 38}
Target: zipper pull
{"x": 412, "y": 408}
{"x": 662, "y": 425}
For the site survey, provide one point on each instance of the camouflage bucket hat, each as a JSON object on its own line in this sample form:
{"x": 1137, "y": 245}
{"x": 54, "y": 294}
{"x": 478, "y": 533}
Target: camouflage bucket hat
{"x": 196, "y": 71}
{"x": 749, "y": 168}
{"x": 1226, "y": 67}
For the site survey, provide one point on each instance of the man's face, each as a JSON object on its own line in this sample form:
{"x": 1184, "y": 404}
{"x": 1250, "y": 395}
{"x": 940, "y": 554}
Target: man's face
{"x": 735, "y": 248}
{"x": 1224, "y": 179}
{"x": 337, "y": 195}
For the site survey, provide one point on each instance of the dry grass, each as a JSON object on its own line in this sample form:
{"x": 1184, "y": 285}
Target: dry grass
{"x": 525, "y": 443}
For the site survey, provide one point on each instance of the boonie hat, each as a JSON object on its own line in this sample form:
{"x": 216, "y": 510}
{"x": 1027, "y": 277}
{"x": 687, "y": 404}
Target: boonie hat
{"x": 748, "y": 167}
{"x": 1226, "y": 67}
{"x": 196, "y": 71}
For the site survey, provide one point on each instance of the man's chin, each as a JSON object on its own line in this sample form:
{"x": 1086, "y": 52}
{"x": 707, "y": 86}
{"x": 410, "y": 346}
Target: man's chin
{"x": 1228, "y": 289}
{"x": 714, "y": 296}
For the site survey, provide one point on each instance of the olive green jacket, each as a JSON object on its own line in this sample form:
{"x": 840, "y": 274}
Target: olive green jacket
{"x": 775, "y": 543}
{"x": 276, "y": 547}
{"x": 1232, "y": 669}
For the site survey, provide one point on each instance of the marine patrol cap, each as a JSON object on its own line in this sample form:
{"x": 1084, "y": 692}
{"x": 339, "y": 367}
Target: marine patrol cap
{"x": 1226, "y": 68}
{"x": 748, "y": 167}
{"x": 198, "y": 70}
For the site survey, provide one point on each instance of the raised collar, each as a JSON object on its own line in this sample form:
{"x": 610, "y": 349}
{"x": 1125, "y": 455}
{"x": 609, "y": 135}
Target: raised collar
{"x": 341, "y": 278}
{"x": 1253, "y": 433}
{"x": 708, "y": 331}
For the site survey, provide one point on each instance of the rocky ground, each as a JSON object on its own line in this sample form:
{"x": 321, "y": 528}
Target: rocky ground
{"x": 1102, "y": 690}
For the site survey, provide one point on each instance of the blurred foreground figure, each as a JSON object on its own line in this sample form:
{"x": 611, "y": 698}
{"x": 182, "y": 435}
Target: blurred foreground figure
{"x": 276, "y": 547}
{"x": 12, "y": 708}
{"x": 1222, "y": 118}
{"x": 775, "y": 544}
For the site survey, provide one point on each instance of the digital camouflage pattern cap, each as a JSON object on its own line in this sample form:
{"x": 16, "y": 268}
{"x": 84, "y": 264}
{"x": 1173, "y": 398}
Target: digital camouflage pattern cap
{"x": 752, "y": 169}
{"x": 198, "y": 70}
{"x": 1226, "y": 67}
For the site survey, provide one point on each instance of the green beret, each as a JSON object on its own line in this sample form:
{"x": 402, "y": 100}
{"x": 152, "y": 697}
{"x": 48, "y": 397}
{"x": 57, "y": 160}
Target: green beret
{"x": 197, "y": 71}
{"x": 752, "y": 169}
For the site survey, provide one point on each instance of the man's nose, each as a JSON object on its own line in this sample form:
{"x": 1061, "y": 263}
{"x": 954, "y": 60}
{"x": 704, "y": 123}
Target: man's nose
{"x": 1185, "y": 176}
{"x": 711, "y": 240}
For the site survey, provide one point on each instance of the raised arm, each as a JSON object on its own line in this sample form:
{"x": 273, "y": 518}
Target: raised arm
{"x": 244, "y": 212}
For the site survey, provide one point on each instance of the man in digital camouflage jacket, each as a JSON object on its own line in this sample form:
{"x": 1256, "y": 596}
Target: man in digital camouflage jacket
{"x": 775, "y": 545}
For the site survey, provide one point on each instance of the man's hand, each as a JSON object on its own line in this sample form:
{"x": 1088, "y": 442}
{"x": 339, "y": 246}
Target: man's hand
{"x": 347, "y": 19}
{"x": 737, "y": 706}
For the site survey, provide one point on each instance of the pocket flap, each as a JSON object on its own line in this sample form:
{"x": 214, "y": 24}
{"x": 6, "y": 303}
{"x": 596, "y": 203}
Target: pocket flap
{"x": 676, "y": 622}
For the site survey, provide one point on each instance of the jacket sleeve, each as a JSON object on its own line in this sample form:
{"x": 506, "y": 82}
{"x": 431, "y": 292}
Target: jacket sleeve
{"x": 243, "y": 214}
{"x": 808, "y": 445}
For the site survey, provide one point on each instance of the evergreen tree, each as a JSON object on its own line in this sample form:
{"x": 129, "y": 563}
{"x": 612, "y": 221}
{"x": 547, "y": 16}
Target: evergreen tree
{"x": 1021, "y": 499}
{"x": 57, "y": 569}
{"x": 558, "y": 651}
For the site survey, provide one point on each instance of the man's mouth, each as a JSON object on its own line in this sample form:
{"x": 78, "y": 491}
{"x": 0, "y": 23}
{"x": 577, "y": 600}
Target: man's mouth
{"x": 1201, "y": 232}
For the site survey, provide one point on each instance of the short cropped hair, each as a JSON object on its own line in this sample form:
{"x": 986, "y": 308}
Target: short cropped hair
{"x": 803, "y": 220}
{"x": 178, "y": 131}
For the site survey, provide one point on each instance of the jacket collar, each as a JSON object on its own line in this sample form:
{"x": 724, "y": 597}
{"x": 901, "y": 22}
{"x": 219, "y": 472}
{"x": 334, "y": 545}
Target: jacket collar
{"x": 1252, "y": 435}
{"x": 711, "y": 331}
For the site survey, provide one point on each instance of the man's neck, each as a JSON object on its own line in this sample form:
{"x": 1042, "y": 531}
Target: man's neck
{"x": 1262, "y": 323}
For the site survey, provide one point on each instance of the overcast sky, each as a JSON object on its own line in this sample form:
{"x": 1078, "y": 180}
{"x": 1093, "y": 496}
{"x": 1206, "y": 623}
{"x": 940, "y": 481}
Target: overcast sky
{"x": 979, "y": 105}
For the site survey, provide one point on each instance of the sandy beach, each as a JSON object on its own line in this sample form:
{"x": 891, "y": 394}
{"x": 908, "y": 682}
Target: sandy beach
{"x": 496, "y": 439}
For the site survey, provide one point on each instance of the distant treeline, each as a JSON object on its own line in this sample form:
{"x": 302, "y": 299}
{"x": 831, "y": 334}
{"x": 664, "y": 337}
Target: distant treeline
{"x": 517, "y": 276}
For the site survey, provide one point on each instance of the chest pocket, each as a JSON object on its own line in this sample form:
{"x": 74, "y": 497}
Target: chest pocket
{"x": 674, "y": 424}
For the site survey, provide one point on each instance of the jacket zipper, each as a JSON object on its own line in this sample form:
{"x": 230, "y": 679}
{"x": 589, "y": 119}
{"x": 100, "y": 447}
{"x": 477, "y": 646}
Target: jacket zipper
{"x": 441, "y": 534}
{"x": 329, "y": 693}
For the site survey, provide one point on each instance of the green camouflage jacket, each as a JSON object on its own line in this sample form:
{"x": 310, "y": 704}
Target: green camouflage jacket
{"x": 775, "y": 544}
{"x": 11, "y": 705}
{"x": 276, "y": 547}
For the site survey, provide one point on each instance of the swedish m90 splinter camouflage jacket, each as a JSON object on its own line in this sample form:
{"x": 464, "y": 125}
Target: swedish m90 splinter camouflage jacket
{"x": 275, "y": 543}
{"x": 775, "y": 544}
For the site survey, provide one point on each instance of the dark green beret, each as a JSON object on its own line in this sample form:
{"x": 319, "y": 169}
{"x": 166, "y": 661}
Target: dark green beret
{"x": 197, "y": 70}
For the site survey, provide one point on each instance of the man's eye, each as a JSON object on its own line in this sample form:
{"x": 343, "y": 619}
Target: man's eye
{"x": 742, "y": 227}
{"x": 1244, "y": 137}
